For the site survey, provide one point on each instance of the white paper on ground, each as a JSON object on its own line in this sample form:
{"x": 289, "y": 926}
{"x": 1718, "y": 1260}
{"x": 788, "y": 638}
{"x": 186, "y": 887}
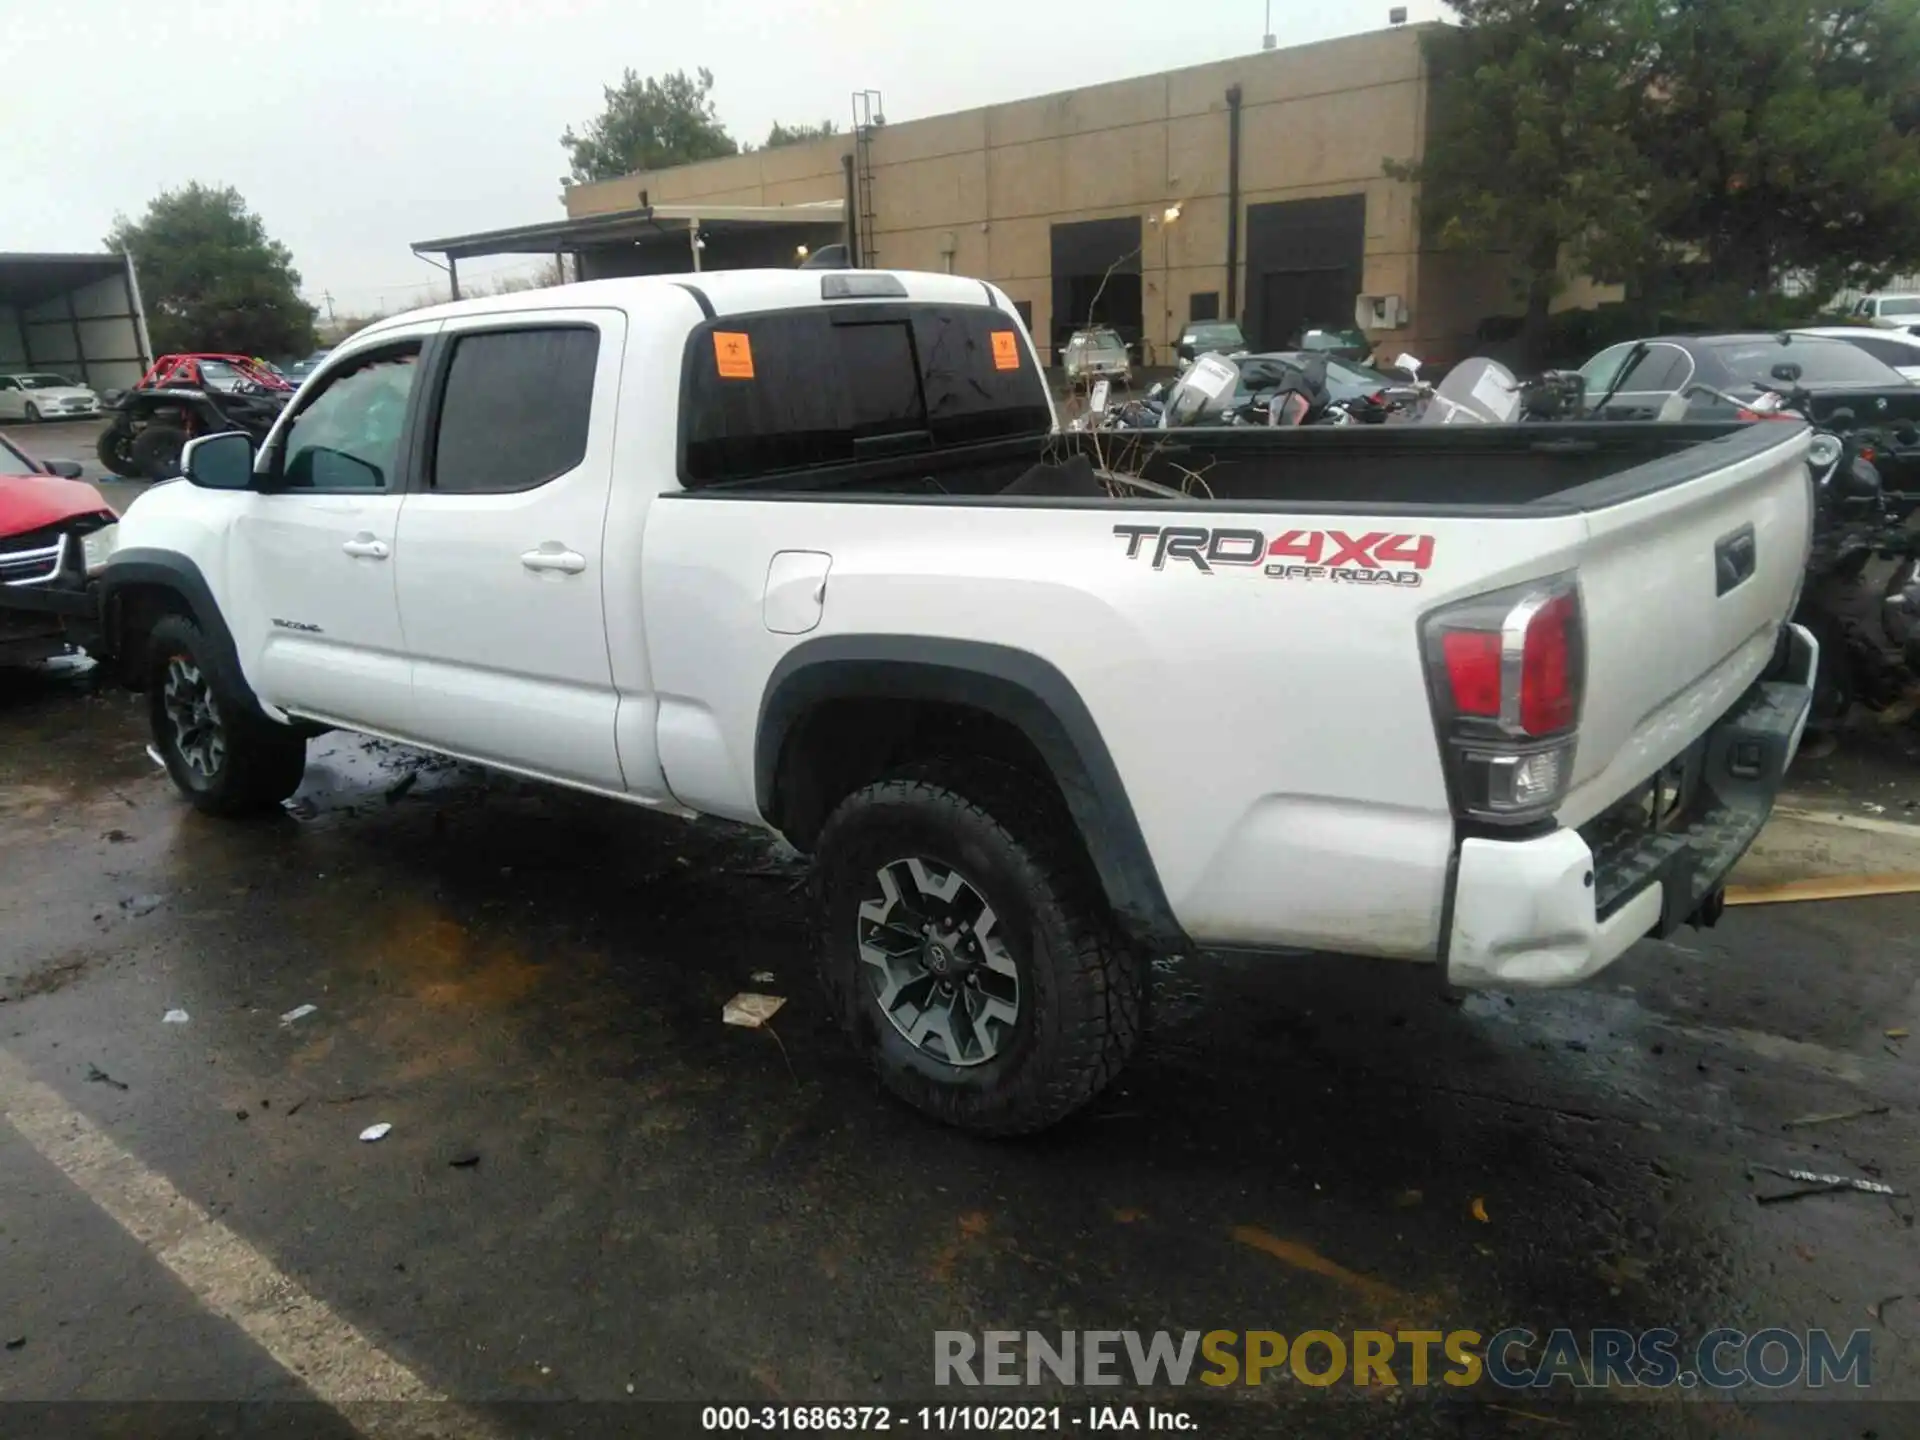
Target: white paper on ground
{"x": 751, "y": 1010}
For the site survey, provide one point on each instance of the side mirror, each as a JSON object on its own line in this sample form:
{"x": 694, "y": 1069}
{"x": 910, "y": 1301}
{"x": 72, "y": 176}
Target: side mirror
{"x": 65, "y": 469}
{"x": 1409, "y": 364}
{"x": 219, "y": 462}
{"x": 1787, "y": 371}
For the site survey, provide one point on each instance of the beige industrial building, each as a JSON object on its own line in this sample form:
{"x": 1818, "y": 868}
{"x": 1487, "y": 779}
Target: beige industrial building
{"x": 1253, "y": 188}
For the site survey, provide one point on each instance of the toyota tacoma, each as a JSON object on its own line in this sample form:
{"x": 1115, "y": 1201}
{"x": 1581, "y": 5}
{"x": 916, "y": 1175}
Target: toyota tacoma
{"x": 806, "y": 550}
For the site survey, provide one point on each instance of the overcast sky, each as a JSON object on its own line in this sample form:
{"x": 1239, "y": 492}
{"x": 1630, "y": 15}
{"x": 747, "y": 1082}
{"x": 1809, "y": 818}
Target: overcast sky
{"x": 355, "y": 127}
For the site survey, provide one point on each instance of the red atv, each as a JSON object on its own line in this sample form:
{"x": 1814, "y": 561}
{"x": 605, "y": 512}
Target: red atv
{"x": 184, "y": 396}
{"x": 55, "y": 534}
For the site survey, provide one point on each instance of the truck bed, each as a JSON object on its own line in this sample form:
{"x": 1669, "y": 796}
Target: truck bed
{"x": 1521, "y": 470}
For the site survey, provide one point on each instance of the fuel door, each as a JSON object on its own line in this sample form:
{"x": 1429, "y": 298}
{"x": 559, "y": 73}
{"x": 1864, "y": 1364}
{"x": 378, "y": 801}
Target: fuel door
{"x": 796, "y": 595}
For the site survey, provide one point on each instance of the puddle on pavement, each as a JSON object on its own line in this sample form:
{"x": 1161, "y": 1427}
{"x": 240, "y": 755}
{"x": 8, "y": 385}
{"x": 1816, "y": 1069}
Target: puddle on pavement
{"x": 539, "y": 974}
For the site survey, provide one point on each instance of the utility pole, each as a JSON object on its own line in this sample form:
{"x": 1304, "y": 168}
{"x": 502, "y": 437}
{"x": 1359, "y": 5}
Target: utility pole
{"x": 327, "y": 295}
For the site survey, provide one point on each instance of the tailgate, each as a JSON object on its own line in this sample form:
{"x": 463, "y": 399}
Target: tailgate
{"x": 1685, "y": 581}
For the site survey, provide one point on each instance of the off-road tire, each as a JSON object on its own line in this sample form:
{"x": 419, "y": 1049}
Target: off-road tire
{"x": 155, "y": 452}
{"x": 261, "y": 761}
{"x": 1083, "y": 985}
{"x": 115, "y": 449}
{"x": 32, "y": 413}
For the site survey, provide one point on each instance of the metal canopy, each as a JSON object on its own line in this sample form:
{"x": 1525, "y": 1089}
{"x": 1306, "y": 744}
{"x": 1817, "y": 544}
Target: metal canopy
{"x": 666, "y": 223}
{"x": 27, "y": 280}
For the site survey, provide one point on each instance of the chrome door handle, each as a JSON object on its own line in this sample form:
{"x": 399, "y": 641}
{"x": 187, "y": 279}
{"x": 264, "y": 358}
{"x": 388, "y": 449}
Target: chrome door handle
{"x": 568, "y": 562}
{"x": 367, "y": 547}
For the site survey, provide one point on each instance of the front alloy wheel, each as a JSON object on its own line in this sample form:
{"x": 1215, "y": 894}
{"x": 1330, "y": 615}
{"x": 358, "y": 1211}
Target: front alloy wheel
{"x": 198, "y": 735}
{"x": 934, "y": 964}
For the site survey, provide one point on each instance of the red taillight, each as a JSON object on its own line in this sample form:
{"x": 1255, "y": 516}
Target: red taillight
{"x": 1547, "y": 683}
{"x": 1473, "y": 671}
{"x": 1506, "y": 671}
{"x": 1765, "y": 415}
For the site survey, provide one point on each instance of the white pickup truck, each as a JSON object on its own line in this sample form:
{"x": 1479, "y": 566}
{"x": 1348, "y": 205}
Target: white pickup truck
{"x": 804, "y": 549}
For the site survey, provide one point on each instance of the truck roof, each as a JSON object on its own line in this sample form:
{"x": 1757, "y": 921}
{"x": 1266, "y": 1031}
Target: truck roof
{"x": 730, "y": 292}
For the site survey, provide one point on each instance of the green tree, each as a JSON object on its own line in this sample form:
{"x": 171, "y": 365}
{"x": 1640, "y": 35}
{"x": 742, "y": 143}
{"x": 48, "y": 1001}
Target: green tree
{"x": 649, "y": 124}
{"x": 211, "y": 277}
{"x": 798, "y": 134}
{"x": 1529, "y": 150}
{"x": 1789, "y": 135}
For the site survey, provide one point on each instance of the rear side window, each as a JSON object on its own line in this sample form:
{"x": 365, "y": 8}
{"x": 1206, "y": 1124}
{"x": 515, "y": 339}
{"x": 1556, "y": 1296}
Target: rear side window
{"x": 1889, "y": 352}
{"x": 792, "y": 390}
{"x": 1821, "y": 362}
{"x": 515, "y": 409}
{"x": 1661, "y": 369}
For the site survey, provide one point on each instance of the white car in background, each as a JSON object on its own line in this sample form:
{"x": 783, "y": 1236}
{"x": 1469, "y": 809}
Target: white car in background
{"x": 1889, "y": 312}
{"x": 1897, "y": 348}
{"x": 41, "y": 395}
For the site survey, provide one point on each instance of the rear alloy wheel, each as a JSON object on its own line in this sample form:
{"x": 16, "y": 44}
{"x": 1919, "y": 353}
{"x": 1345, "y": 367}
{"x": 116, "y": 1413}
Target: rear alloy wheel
{"x": 935, "y": 966}
{"x": 156, "y": 452}
{"x": 968, "y": 952}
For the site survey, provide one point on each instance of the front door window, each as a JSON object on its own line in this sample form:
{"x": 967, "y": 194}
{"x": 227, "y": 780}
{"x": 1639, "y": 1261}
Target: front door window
{"x": 348, "y": 437}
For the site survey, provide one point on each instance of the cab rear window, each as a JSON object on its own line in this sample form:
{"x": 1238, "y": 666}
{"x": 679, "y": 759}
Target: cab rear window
{"x": 792, "y": 390}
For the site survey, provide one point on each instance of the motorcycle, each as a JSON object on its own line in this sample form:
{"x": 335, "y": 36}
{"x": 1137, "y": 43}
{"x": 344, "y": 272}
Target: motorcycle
{"x": 1862, "y": 596}
{"x": 1861, "y": 599}
{"x": 1271, "y": 391}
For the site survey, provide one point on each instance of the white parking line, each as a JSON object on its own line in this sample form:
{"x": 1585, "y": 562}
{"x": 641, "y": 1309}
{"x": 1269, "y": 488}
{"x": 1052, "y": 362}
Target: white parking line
{"x": 338, "y": 1364}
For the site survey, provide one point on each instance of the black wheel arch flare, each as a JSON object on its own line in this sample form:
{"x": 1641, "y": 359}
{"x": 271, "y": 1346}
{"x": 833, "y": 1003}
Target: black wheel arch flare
{"x": 1011, "y": 685}
{"x": 167, "y": 570}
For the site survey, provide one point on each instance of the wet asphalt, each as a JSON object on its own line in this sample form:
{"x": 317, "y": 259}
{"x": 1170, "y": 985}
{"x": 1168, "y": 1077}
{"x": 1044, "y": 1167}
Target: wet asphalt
{"x": 654, "y": 1206}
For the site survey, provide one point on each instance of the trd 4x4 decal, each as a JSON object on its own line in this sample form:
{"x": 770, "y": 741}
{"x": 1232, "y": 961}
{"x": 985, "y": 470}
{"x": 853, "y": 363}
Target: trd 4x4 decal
{"x": 1379, "y": 557}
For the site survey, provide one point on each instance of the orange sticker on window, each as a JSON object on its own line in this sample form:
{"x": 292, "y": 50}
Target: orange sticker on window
{"x": 1006, "y": 350}
{"x": 732, "y": 355}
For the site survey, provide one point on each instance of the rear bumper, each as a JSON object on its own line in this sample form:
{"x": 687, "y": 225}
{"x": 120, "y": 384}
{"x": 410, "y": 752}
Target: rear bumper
{"x": 1557, "y": 909}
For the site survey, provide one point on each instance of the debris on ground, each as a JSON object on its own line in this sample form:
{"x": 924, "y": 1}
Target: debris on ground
{"x": 465, "y": 1160}
{"x": 767, "y": 977}
{"x": 1819, "y": 1184}
{"x": 1825, "y": 887}
{"x": 154, "y": 755}
{"x": 751, "y": 1010}
{"x": 375, "y": 1132}
{"x": 299, "y": 1012}
{"x": 18, "y": 1341}
{"x": 116, "y": 837}
{"x": 401, "y": 786}
{"x": 240, "y": 1114}
{"x": 1878, "y": 1310}
{"x": 1834, "y": 1118}
{"x": 100, "y": 1077}
{"x": 138, "y": 905}
{"x": 1897, "y": 1034}
{"x": 1480, "y": 1210}
{"x": 175, "y": 1017}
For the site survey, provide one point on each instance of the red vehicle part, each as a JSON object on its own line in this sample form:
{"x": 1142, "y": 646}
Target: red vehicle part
{"x": 37, "y": 502}
{"x": 184, "y": 370}
{"x": 47, "y": 604}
